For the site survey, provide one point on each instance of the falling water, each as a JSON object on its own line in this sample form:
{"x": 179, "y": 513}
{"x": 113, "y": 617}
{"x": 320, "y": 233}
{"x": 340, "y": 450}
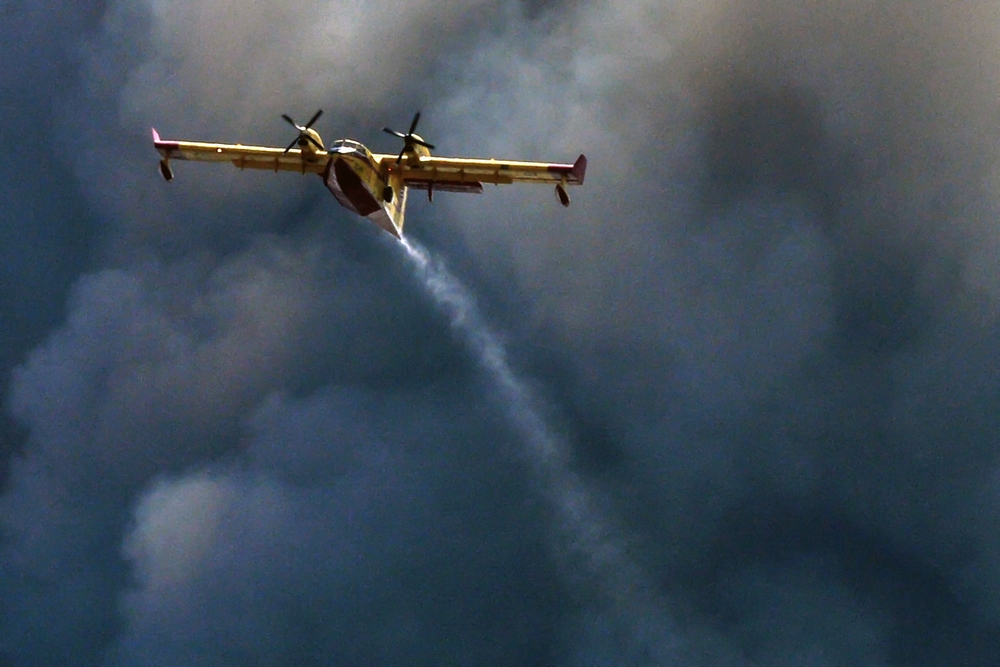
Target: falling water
{"x": 585, "y": 536}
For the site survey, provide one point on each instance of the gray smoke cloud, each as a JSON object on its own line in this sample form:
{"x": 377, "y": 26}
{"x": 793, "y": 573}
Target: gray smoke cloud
{"x": 766, "y": 329}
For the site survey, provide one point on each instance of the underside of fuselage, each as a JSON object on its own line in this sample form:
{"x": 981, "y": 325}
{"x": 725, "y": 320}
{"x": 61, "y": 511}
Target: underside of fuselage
{"x": 358, "y": 186}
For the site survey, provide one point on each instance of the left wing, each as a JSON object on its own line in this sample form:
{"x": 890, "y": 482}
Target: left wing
{"x": 244, "y": 157}
{"x": 468, "y": 175}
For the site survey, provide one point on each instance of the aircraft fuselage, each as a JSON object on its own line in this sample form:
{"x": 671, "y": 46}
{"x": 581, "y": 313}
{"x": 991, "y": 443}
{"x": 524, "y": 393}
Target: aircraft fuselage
{"x": 361, "y": 187}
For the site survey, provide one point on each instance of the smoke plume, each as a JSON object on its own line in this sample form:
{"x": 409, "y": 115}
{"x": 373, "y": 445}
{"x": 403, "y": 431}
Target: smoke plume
{"x": 237, "y": 430}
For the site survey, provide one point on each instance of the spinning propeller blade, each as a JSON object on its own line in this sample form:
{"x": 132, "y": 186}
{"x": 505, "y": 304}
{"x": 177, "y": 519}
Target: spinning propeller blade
{"x": 314, "y": 118}
{"x": 303, "y": 135}
{"x": 409, "y": 139}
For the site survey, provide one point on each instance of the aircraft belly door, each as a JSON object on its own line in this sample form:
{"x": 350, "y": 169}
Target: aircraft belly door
{"x": 349, "y": 188}
{"x": 390, "y": 216}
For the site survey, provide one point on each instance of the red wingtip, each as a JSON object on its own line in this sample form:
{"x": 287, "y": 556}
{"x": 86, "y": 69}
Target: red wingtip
{"x": 580, "y": 168}
{"x": 156, "y": 136}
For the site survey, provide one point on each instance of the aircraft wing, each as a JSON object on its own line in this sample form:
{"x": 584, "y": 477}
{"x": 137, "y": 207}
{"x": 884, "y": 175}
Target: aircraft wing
{"x": 468, "y": 175}
{"x": 244, "y": 157}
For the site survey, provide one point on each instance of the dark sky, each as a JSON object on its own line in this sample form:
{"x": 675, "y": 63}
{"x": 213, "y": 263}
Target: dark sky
{"x": 739, "y": 404}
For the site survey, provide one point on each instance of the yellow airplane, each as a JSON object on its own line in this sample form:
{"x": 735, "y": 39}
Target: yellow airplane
{"x": 374, "y": 185}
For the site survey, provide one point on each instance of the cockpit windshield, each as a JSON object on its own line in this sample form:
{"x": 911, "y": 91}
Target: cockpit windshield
{"x": 351, "y": 147}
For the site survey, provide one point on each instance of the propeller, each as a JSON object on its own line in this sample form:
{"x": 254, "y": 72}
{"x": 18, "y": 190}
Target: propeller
{"x": 302, "y": 131}
{"x": 409, "y": 138}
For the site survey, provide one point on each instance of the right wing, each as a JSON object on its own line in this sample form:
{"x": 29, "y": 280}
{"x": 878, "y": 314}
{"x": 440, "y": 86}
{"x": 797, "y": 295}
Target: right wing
{"x": 244, "y": 157}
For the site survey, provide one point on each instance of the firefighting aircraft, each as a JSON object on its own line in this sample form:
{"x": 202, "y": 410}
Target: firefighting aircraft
{"x": 374, "y": 185}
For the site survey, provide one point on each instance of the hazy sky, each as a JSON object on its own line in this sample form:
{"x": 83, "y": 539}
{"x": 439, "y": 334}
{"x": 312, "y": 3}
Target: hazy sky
{"x": 738, "y": 405}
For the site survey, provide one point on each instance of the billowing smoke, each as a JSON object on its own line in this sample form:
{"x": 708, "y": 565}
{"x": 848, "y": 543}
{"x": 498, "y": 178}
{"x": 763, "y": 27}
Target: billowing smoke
{"x": 237, "y": 431}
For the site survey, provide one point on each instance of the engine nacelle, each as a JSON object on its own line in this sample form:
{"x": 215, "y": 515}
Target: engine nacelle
{"x": 309, "y": 142}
